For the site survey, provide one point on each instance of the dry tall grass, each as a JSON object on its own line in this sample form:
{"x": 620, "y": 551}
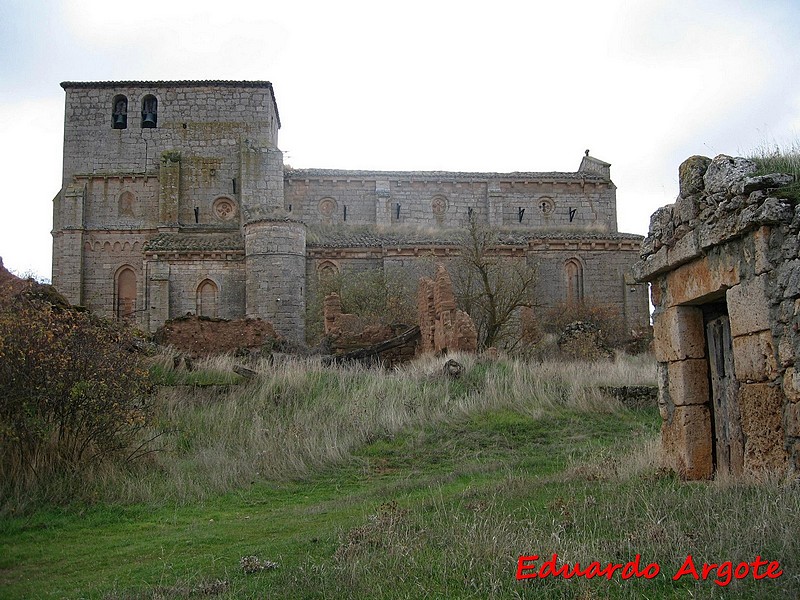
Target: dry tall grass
{"x": 300, "y": 416}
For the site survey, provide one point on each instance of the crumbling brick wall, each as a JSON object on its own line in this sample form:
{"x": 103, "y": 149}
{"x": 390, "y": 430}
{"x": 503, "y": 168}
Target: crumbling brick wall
{"x": 348, "y": 332}
{"x": 727, "y": 249}
{"x": 443, "y": 327}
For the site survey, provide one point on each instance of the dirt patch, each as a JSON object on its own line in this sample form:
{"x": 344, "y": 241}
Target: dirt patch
{"x": 202, "y": 336}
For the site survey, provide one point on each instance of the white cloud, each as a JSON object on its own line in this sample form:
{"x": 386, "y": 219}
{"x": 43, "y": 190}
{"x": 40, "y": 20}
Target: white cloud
{"x": 427, "y": 85}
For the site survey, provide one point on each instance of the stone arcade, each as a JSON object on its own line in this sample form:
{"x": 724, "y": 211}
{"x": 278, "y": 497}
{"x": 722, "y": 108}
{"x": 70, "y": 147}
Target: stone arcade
{"x": 175, "y": 199}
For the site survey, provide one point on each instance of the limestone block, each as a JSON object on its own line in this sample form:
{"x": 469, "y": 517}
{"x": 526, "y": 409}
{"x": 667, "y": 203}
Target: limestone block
{"x": 684, "y": 250}
{"x": 679, "y": 334}
{"x": 789, "y": 278}
{"x": 761, "y": 409}
{"x": 754, "y": 357}
{"x": 725, "y": 171}
{"x": 654, "y": 264}
{"x": 687, "y": 442}
{"x": 748, "y": 306}
{"x": 698, "y": 279}
{"x": 791, "y": 384}
{"x": 690, "y": 175}
{"x": 655, "y": 293}
{"x": 791, "y": 413}
{"x": 786, "y": 350}
{"x": 761, "y": 182}
{"x": 665, "y": 406}
{"x": 761, "y": 261}
{"x": 688, "y": 382}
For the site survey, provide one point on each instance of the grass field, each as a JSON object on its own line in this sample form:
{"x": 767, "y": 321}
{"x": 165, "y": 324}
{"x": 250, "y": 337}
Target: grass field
{"x": 362, "y": 484}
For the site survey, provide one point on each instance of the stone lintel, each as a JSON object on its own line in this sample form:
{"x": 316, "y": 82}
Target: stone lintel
{"x": 697, "y": 281}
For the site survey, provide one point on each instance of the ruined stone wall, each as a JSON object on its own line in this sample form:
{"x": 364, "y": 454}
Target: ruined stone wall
{"x": 347, "y": 332}
{"x": 443, "y": 328}
{"x": 728, "y": 246}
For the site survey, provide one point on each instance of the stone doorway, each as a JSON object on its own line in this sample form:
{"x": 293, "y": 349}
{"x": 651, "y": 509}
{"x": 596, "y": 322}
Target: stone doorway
{"x": 728, "y": 440}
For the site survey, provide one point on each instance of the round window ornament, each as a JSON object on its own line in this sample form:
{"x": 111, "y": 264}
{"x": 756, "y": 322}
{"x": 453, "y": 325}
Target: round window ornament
{"x": 547, "y": 206}
{"x": 224, "y": 209}
{"x": 439, "y": 205}
{"x": 327, "y": 206}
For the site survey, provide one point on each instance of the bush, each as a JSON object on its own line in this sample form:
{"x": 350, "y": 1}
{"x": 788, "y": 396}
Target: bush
{"x": 606, "y": 319}
{"x": 72, "y": 394}
{"x": 385, "y": 296}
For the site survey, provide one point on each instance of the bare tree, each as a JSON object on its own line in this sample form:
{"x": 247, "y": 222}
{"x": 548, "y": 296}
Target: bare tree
{"x": 492, "y": 287}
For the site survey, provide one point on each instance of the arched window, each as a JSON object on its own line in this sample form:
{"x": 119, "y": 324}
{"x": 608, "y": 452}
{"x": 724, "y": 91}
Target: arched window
{"x": 119, "y": 112}
{"x": 207, "y": 293}
{"x": 573, "y": 271}
{"x": 149, "y": 112}
{"x": 126, "y": 293}
{"x": 327, "y": 271}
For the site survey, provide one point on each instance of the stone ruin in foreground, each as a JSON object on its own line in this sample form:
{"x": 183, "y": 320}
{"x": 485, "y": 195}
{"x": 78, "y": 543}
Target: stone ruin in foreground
{"x": 724, "y": 266}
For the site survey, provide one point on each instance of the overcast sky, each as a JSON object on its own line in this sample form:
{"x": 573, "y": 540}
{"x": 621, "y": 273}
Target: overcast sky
{"x": 461, "y": 86}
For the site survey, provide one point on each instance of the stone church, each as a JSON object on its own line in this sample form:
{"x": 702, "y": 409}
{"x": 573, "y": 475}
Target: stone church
{"x": 175, "y": 199}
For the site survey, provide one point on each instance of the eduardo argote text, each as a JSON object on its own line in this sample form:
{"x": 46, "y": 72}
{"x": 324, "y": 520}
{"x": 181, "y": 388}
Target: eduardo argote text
{"x": 530, "y": 567}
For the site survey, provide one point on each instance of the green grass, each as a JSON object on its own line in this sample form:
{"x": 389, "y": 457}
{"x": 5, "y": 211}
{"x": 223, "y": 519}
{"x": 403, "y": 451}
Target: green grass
{"x": 428, "y": 489}
{"x": 773, "y": 158}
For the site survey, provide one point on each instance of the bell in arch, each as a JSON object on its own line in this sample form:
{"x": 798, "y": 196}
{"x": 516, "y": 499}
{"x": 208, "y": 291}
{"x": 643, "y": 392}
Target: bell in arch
{"x": 120, "y": 121}
{"x": 149, "y": 115}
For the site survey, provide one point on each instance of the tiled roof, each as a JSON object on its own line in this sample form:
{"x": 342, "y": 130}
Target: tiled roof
{"x": 439, "y": 175}
{"x": 195, "y": 242}
{"x": 161, "y": 83}
{"x": 365, "y": 238}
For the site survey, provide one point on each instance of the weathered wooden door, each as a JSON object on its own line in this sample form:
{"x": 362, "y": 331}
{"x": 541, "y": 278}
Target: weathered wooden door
{"x": 729, "y": 442}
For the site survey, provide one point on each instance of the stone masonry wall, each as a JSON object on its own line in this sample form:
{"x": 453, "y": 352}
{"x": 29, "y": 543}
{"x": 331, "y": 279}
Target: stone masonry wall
{"x": 557, "y": 201}
{"x": 729, "y": 243}
{"x": 211, "y": 170}
{"x": 202, "y": 119}
{"x": 275, "y": 271}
